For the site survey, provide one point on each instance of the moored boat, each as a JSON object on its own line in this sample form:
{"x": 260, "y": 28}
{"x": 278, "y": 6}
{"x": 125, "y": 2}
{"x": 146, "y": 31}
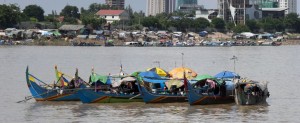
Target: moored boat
{"x": 249, "y": 92}
{"x": 107, "y": 89}
{"x": 59, "y": 91}
{"x": 155, "y": 89}
{"x": 207, "y": 90}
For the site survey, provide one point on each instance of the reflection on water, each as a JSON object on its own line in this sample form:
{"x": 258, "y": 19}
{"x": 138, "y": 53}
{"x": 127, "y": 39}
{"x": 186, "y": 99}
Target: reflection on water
{"x": 141, "y": 112}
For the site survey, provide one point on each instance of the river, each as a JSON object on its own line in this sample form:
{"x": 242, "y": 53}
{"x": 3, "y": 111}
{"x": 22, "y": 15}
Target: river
{"x": 279, "y": 66}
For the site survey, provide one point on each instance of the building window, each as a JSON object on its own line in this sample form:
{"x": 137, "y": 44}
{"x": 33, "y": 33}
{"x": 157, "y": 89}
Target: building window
{"x": 105, "y": 16}
{"x": 113, "y": 17}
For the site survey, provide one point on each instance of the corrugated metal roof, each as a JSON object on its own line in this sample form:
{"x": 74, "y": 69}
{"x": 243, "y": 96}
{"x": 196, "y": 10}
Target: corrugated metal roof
{"x": 71, "y": 27}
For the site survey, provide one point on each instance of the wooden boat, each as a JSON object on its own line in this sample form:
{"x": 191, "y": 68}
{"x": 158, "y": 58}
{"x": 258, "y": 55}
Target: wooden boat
{"x": 152, "y": 91}
{"x": 210, "y": 91}
{"x": 249, "y": 92}
{"x": 110, "y": 91}
{"x": 46, "y": 92}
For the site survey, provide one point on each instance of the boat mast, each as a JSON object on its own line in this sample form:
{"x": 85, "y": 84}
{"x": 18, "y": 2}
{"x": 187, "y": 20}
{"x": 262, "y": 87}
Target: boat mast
{"x": 234, "y": 58}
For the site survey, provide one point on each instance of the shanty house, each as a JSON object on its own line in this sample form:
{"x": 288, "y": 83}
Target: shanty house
{"x": 70, "y": 30}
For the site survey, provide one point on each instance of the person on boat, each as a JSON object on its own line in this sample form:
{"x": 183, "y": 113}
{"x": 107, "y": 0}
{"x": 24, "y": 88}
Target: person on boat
{"x": 71, "y": 84}
{"x": 223, "y": 89}
{"x": 211, "y": 85}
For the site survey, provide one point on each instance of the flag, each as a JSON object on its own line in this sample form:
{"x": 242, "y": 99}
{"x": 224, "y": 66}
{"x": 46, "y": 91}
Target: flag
{"x": 185, "y": 82}
{"x": 59, "y": 78}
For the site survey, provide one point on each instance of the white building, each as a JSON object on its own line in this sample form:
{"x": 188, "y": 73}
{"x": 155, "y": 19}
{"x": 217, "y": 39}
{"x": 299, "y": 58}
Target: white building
{"x": 113, "y": 15}
{"x": 208, "y": 14}
{"x": 155, "y": 7}
{"x": 290, "y": 4}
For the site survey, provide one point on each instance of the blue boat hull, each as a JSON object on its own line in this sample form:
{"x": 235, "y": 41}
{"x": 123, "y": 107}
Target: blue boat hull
{"x": 149, "y": 97}
{"x": 90, "y": 96}
{"x": 43, "y": 94}
{"x": 195, "y": 98}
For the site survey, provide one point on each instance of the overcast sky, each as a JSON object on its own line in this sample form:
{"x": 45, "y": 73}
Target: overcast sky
{"x": 58, "y": 5}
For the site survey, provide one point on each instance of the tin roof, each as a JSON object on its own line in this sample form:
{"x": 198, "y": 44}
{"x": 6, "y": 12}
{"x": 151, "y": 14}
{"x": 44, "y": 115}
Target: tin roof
{"x": 71, "y": 27}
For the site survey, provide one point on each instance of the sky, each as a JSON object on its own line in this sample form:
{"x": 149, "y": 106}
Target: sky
{"x": 58, "y": 5}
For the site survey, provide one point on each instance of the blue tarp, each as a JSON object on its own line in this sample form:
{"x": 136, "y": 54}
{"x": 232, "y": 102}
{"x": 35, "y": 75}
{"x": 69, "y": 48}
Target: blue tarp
{"x": 154, "y": 80}
{"x": 160, "y": 82}
{"x": 227, "y": 74}
{"x": 149, "y": 74}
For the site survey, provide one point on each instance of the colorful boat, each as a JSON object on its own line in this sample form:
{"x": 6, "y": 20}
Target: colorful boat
{"x": 249, "y": 92}
{"x": 153, "y": 89}
{"x": 205, "y": 89}
{"x": 105, "y": 89}
{"x": 46, "y": 92}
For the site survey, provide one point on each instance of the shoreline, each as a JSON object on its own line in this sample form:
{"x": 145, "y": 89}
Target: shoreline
{"x": 121, "y": 43}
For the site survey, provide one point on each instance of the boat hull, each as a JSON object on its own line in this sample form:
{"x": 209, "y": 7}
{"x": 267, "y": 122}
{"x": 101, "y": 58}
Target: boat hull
{"x": 149, "y": 97}
{"x": 244, "y": 97}
{"x": 195, "y": 98}
{"x": 43, "y": 94}
{"x": 90, "y": 96}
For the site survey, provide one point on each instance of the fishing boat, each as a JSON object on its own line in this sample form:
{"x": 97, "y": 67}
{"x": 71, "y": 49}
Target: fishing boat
{"x": 155, "y": 89}
{"x": 61, "y": 90}
{"x": 249, "y": 92}
{"x": 205, "y": 89}
{"x": 158, "y": 95}
{"x": 109, "y": 89}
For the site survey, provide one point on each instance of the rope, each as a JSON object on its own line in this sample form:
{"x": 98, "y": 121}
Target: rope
{"x": 30, "y": 97}
{"x": 38, "y": 79}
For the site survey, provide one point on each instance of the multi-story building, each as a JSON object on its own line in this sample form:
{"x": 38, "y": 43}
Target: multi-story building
{"x": 186, "y": 2}
{"x": 233, "y": 10}
{"x": 291, "y": 6}
{"x": 159, "y": 6}
{"x": 119, "y": 4}
{"x": 155, "y": 7}
{"x": 170, "y": 6}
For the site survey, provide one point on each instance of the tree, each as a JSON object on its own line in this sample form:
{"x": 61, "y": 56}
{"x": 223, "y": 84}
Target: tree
{"x": 230, "y": 26}
{"x": 94, "y": 22}
{"x": 253, "y": 25}
{"x": 218, "y": 23}
{"x": 291, "y": 20}
{"x": 201, "y": 23}
{"x": 151, "y": 22}
{"x": 70, "y": 12}
{"x": 9, "y": 15}
{"x": 34, "y": 11}
{"x": 240, "y": 28}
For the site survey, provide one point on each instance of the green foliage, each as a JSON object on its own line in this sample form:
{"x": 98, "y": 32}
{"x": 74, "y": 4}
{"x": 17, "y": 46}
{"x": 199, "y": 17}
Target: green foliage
{"x": 70, "y": 12}
{"x": 230, "y": 26}
{"x": 291, "y": 21}
{"x": 150, "y": 21}
{"x": 94, "y": 22}
{"x": 34, "y": 11}
{"x": 272, "y": 25}
{"x": 32, "y": 19}
{"x": 218, "y": 23}
{"x": 240, "y": 28}
{"x": 201, "y": 23}
{"x": 253, "y": 25}
{"x": 9, "y": 15}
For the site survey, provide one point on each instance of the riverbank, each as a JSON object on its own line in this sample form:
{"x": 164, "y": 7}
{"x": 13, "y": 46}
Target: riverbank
{"x": 84, "y": 42}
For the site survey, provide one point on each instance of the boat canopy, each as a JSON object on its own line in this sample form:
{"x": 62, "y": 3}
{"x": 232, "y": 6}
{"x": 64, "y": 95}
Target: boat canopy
{"x": 102, "y": 78}
{"x": 227, "y": 74}
{"x": 160, "y": 82}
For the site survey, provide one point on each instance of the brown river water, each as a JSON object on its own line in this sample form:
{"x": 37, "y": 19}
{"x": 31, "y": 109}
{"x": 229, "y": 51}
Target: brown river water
{"x": 278, "y": 65}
